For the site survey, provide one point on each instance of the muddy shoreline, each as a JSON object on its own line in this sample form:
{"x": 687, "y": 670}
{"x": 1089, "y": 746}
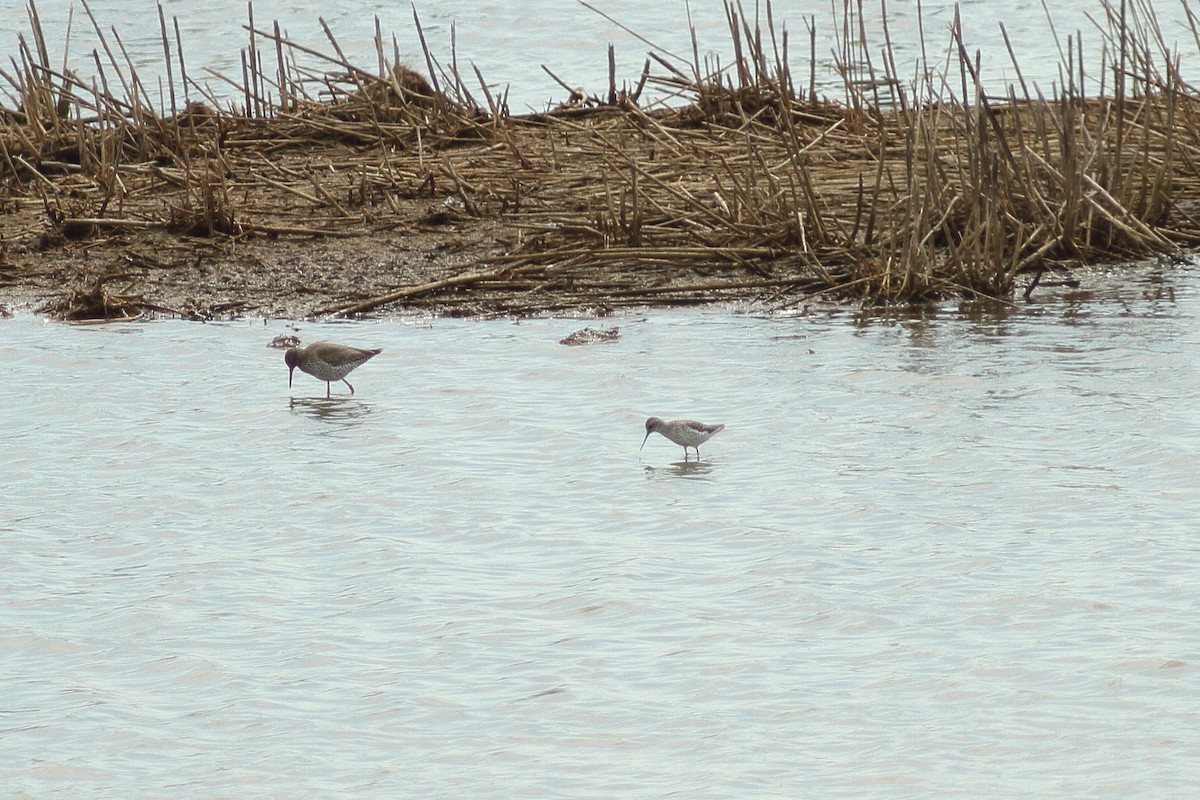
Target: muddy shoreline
{"x": 397, "y": 193}
{"x": 160, "y": 274}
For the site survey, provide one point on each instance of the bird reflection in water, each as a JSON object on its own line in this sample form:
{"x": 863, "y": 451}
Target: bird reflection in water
{"x": 337, "y": 409}
{"x": 691, "y": 470}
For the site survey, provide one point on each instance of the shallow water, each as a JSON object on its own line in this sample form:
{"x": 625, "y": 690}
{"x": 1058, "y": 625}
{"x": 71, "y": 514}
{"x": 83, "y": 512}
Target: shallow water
{"x": 944, "y": 553}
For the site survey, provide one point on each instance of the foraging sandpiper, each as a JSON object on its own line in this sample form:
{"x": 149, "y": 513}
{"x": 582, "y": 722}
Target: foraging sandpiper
{"x": 327, "y": 361}
{"x": 682, "y": 432}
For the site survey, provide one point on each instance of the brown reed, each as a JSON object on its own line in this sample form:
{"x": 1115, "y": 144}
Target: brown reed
{"x": 905, "y": 190}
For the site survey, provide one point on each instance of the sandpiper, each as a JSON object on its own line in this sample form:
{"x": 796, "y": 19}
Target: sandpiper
{"x": 683, "y": 432}
{"x": 326, "y": 361}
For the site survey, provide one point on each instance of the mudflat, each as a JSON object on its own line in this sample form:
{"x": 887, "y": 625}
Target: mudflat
{"x": 394, "y": 192}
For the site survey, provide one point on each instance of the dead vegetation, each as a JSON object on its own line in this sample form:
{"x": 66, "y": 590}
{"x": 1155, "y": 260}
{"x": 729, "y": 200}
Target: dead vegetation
{"x": 908, "y": 189}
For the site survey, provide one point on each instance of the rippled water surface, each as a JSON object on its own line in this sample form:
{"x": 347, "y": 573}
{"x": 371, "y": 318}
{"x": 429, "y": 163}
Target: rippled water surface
{"x": 946, "y": 553}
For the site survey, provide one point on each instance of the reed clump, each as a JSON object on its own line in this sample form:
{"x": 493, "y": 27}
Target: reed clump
{"x": 93, "y": 299}
{"x": 744, "y": 182}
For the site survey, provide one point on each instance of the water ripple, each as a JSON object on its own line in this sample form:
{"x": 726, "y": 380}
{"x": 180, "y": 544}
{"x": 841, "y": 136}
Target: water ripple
{"x": 937, "y": 554}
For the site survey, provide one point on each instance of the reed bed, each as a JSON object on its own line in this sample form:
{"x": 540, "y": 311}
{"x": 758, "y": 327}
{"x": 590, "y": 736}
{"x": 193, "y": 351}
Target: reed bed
{"x": 744, "y": 184}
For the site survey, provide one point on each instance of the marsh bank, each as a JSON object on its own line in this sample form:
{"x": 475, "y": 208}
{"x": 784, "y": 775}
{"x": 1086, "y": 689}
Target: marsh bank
{"x": 353, "y": 192}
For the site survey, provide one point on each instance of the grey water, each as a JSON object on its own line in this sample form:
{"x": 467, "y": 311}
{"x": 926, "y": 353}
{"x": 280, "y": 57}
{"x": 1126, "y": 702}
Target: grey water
{"x": 941, "y": 552}
{"x": 512, "y": 42}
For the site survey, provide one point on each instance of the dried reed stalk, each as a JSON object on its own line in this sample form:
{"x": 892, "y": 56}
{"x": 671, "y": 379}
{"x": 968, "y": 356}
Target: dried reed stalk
{"x": 904, "y": 191}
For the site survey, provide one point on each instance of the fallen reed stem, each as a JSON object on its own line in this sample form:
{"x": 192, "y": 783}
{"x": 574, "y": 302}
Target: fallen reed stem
{"x": 900, "y": 193}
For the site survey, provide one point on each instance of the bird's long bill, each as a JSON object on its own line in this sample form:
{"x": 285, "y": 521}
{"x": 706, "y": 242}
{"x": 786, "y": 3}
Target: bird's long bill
{"x": 291, "y": 372}
{"x": 644, "y": 441}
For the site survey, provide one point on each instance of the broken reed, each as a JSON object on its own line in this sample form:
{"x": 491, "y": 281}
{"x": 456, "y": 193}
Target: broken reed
{"x": 910, "y": 188}
{"x": 938, "y": 190}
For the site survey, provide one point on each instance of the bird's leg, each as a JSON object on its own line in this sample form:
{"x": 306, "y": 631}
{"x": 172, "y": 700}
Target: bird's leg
{"x": 348, "y": 384}
{"x": 327, "y": 395}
